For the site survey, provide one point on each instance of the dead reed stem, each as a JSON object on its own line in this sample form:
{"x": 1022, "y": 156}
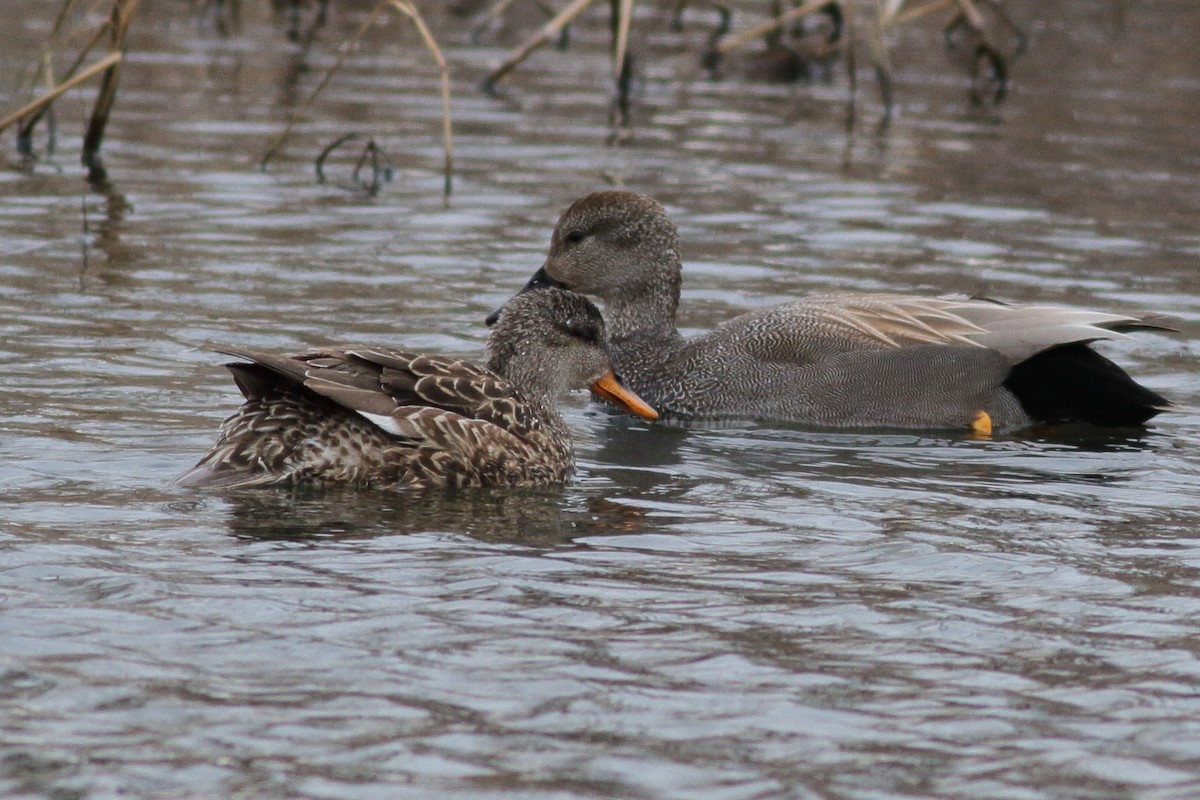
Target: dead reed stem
{"x": 920, "y": 11}
{"x": 52, "y": 95}
{"x": 881, "y": 58}
{"x": 122, "y": 16}
{"x": 30, "y": 114}
{"x": 494, "y": 13}
{"x": 622, "y": 43}
{"x": 406, "y": 8}
{"x": 548, "y": 31}
{"x": 774, "y": 24}
{"x": 277, "y": 143}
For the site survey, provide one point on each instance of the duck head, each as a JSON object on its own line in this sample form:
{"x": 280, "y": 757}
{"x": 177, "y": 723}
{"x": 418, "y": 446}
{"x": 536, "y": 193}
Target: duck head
{"x": 620, "y": 247}
{"x": 552, "y": 341}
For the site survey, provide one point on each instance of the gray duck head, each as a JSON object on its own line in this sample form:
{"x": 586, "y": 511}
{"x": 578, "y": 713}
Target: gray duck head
{"x": 552, "y": 341}
{"x": 622, "y": 248}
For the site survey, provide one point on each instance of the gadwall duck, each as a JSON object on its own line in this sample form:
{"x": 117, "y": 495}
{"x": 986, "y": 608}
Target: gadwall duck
{"x": 841, "y": 360}
{"x": 368, "y": 416}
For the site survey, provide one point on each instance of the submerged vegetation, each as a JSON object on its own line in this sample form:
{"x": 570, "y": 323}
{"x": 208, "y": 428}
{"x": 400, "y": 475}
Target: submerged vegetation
{"x": 796, "y": 41}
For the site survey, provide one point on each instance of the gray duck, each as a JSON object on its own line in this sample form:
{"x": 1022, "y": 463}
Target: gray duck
{"x": 370, "y": 416}
{"x": 838, "y": 360}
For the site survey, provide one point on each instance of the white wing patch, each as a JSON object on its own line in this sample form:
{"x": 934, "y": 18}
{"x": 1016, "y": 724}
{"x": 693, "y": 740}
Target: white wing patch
{"x": 384, "y": 421}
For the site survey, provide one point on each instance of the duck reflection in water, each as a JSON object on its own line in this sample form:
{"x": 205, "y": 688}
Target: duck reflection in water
{"x": 541, "y": 516}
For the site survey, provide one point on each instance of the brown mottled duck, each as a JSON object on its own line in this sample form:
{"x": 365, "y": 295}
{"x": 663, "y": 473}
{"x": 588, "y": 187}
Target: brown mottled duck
{"x": 370, "y": 416}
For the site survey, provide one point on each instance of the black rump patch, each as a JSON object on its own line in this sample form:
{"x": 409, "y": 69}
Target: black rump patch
{"x": 1074, "y": 383}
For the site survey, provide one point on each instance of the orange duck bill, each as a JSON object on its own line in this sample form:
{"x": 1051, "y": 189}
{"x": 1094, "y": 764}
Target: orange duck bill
{"x": 611, "y": 389}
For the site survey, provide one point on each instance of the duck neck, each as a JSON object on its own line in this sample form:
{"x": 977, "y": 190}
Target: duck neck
{"x": 643, "y": 312}
{"x": 539, "y": 390}
{"x": 534, "y": 380}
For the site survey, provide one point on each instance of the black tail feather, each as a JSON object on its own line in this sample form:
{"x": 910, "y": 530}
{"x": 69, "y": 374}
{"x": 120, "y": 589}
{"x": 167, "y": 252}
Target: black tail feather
{"x": 1074, "y": 383}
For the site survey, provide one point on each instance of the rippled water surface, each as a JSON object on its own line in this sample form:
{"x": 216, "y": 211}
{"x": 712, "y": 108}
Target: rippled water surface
{"x": 749, "y": 612}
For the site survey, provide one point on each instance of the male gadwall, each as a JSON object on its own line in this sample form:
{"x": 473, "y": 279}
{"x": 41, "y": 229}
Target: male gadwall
{"x": 370, "y": 416}
{"x": 837, "y": 359}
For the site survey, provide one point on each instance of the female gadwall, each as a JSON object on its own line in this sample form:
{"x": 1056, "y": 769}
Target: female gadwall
{"x": 837, "y": 359}
{"x": 370, "y": 416}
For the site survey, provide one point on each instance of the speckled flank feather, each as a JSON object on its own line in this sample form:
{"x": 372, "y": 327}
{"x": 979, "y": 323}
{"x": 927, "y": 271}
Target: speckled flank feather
{"x": 296, "y": 437}
{"x": 378, "y": 417}
{"x": 836, "y": 359}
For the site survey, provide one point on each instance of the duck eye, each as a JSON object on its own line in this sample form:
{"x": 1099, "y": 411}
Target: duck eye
{"x": 582, "y": 331}
{"x": 574, "y": 237}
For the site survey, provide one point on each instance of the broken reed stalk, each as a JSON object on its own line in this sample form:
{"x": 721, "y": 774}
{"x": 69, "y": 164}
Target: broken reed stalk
{"x": 40, "y": 103}
{"x": 30, "y": 114}
{"x": 881, "y": 58}
{"x": 350, "y": 44}
{"x": 920, "y": 11}
{"x": 849, "y": 22}
{"x": 734, "y": 42}
{"x": 328, "y": 149}
{"x": 971, "y": 14}
{"x": 621, "y": 45}
{"x": 407, "y": 7}
{"x": 548, "y": 31}
{"x": 46, "y": 69}
{"x": 622, "y": 16}
{"x": 968, "y": 15}
{"x": 122, "y": 15}
{"x": 494, "y": 13}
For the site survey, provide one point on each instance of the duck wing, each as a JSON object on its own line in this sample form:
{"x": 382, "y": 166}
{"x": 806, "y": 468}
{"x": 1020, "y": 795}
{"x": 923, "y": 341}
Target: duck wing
{"x": 458, "y": 424}
{"x": 808, "y": 330}
{"x": 471, "y": 426}
{"x": 375, "y": 381}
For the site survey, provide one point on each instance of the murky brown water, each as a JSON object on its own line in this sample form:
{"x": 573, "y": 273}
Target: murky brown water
{"x": 742, "y": 613}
